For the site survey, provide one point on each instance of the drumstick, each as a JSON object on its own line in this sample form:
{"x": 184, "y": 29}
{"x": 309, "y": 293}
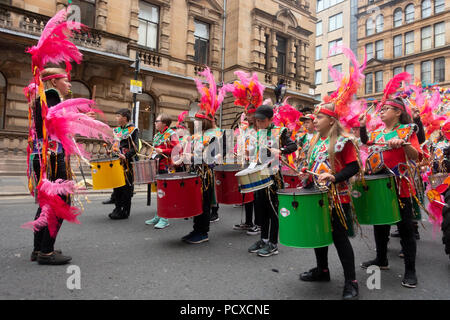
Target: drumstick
{"x": 307, "y": 171}
{"x": 385, "y": 143}
{"x": 94, "y": 89}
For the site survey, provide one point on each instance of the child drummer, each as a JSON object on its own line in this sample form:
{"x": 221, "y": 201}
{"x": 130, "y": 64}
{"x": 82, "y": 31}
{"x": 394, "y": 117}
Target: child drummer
{"x": 126, "y": 137}
{"x": 267, "y": 198}
{"x": 401, "y": 144}
{"x": 333, "y": 157}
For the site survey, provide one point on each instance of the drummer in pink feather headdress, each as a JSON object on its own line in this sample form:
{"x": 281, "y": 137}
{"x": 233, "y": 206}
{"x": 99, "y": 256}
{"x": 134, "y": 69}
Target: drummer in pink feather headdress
{"x": 54, "y": 123}
{"x": 333, "y": 159}
{"x": 401, "y": 145}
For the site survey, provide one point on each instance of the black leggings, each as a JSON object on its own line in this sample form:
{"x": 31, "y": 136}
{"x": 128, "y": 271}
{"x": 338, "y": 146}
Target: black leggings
{"x": 201, "y": 222}
{"x": 42, "y": 240}
{"x": 249, "y": 209}
{"x": 342, "y": 244}
{"x": 407, "y": 238}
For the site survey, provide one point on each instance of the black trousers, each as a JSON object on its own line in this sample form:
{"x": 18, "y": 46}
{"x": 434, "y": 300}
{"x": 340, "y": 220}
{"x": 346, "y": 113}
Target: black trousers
{"x": 42, "y": 240}
{"x": 342, "y": 244}
{"x": 123, "y": 195}
{"x": 201, "y": 222}
{"x": 266, "y": 206}
{"x": 250, "y": 209}
{"x": 407, "y": 238}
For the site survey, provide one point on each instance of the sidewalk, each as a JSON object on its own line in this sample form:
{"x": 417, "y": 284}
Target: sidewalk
{"x": 17, "y": 186}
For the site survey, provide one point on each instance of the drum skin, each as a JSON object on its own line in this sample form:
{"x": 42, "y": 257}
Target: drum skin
{"x": 304, "y": 217}
{"x": 227, "y": 186}
{"x": 107, "y": 174}
{"x": 291, "y": 181}
{"x": 179, "y": 195}
{"x": 376, "y": 202}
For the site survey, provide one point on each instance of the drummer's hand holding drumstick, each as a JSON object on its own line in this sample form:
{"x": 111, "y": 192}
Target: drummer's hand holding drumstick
{"x": 326, "y": 177}
{"x": 396, "y": 143}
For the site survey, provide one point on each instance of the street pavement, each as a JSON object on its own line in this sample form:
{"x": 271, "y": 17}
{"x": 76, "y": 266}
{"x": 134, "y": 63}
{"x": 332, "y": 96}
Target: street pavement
{"x": 127, "y": 259}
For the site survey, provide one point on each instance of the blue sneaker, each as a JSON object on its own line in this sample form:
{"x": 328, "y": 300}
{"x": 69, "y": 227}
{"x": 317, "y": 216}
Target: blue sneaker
{"x": 155, "y": 220}
{"x": 197, "y": 238}
{"x": 162, "y": 223}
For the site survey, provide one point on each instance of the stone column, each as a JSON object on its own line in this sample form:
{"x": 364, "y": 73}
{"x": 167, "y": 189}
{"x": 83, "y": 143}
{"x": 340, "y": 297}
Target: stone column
{"x": 190, "y": 51}
{"x": 102, "y": 15}
{"x": 134, "y": 21}
{"x": 164, "y": 43}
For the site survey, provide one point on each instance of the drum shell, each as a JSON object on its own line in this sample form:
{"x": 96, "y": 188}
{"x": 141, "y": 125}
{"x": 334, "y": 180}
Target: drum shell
{"x": 227, "y": 186}
{"x": 304, "y": 218}
{"x": 145, "y": 171}
{"x": 254, "y": 180}
{"x": 377, "y": 202}
{"x": 179, "y": 195}
{"x": 107, "y": 174}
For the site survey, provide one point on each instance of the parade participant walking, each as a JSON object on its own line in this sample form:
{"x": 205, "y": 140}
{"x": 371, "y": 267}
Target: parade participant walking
{"x": 402, "y": 144}
{"x": 126, "y": 137}
{"x": 164, "y": 141}
{"x": 267, "y": 198}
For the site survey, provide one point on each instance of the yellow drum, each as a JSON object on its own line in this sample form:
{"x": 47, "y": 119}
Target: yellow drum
{"x": 107, "y": 174}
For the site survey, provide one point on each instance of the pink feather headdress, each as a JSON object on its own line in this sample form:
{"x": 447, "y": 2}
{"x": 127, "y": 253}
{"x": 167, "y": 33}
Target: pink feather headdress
{"x": 392, "y": 87}
{"x": 54, "y": 46}
{"x": 347, "y": 85}
{"x": 287, "y": 116}
{"x": 181, "y": 119}
{"x": 248, "y": 92}
{"x": 210, "y": 100}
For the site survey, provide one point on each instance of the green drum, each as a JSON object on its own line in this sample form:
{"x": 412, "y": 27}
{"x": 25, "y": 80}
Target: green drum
{"x": 376, "y": 202}
{"x": 304, "y": 217}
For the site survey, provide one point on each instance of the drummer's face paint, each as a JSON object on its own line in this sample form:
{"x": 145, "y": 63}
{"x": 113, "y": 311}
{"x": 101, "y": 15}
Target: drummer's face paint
{"x": 263, "y": 124}
{"x": 323, "y": 123}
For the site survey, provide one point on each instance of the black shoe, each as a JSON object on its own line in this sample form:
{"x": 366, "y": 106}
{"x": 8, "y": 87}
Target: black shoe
{"x": 53, "y": 259}
{"x": 214, "y": 218}
{"x": 383, "y": 265}
{"x": 110, "y": 201}
{"x": 118, "y": 215}
{"x": 187, "y": 236}
{"x": 410, "y": 279}
{"x": 395, "y": 234}
{"x": 350, "y": 290}
{"x": 315, "y": 275}
{"x": 35, "y": 254}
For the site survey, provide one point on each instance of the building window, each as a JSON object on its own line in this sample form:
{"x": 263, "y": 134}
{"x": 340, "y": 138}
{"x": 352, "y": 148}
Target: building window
{"x": 409, "y": 13}
{"x": 409, "y": 42}
{"x": 398, "y": 70}
{"x": 370, "y": 29}
{"x": 281, "y": 59}
{"x": 335, "y": 22}
{"x": 148, "y": 25}
{"x": 425, "y": 72}
{"x": 147, "y": 116}
{"x": 410, "y": 69}
{"x": 398, "y": 17}
{"x": 337, "y": 67}
{"x": 439, "y": 70}
{"x": 425, "y": 35}
{"x": 379, "y": 23}
{"x": 2, "y": 100}
{"x": 426, "y": 8}
{"x": 320, "y": 5}
{"x": 379, "y": 81}
{"x": 332, "y": 51}
{"x": 369, "y": 51}
{"x": 201, "y": 46}
{"x": 439, "y": 34}
{"x": 319, "y": 28}
{"x": 369, "y": 83}
{"x": 379, "y": 48}
{"x": 439, "y": 6}
{"x": 87, "y": 11}
{"x": 319, "y": 52}
{"x": 398, "y": 46}
{"x": 318, "y": 77}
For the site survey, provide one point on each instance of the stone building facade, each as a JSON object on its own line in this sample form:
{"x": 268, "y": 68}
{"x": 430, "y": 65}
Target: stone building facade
{"x": 174, "y": 40}
{"x": 404, "y": 35}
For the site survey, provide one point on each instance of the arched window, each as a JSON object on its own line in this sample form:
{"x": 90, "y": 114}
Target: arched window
{"x": 409, "y": 13}
{"x": 147, "y": 116}
{"x": 426, "y": 8}
{"x": 80, "y": 90}
{"x": 379, "y": 23}
{"x": 2, "y": 101}
{"x": 369, "y": 27}
{"x": 398, "y": 17}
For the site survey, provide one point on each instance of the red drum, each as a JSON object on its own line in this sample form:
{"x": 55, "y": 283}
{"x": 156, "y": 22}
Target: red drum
{"x": 291, "y": 179}
{"x": 179, "y": 195}
{"x": 227, "y": 186}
